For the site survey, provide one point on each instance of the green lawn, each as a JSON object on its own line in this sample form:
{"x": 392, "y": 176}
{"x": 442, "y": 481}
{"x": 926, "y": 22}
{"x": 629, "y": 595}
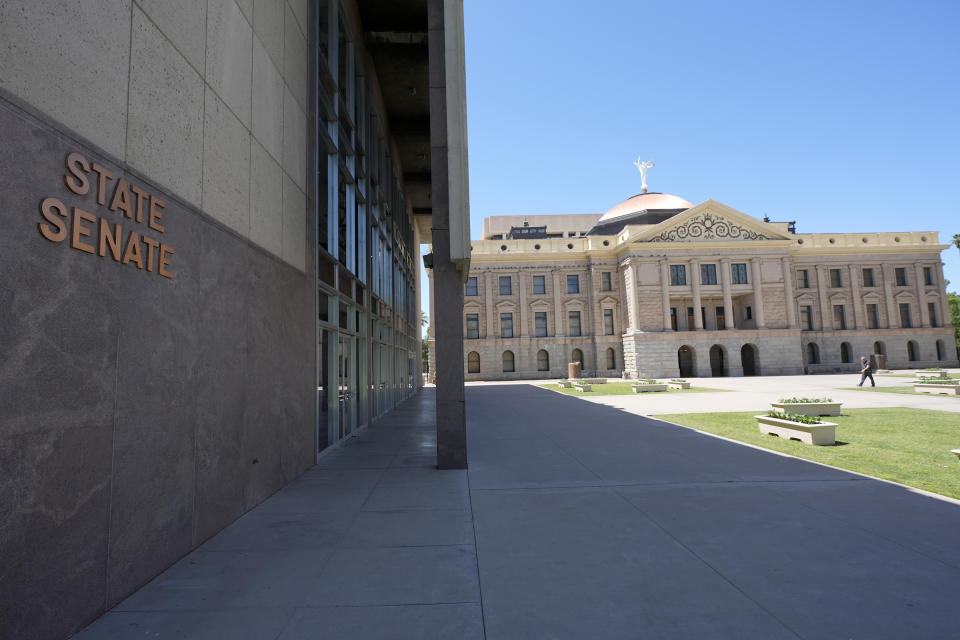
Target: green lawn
{"x": 620, "y": 389}
{"x": 907, "y": 390}
{"x": 910, "y": 446}
{"x": 910, "y": 375}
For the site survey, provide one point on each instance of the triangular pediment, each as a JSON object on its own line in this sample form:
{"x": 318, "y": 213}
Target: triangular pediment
{"x": 709, "y": 221}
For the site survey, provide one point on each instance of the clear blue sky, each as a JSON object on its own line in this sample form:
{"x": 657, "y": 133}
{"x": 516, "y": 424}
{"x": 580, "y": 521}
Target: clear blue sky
{"x": 843, "y": 116}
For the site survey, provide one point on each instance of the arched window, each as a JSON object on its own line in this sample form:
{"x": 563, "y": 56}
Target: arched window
{"x": 543, "y": 360}
{"x": 577, "y": 356}
{"x": 879, "y": 348}
{"x": 913, "y": 353}
{"x": 941, "y": 351}
{"x": 611, "y": 359}
{"x": 508, "y": 361}
{"x": 844, "y": 352}
{"x": 813, "y": 353}
{"x": 473, "y": 362}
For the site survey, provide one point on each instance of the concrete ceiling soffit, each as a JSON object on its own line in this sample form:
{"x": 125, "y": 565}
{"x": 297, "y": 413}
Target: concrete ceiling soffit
{"x": 709, "y": 221}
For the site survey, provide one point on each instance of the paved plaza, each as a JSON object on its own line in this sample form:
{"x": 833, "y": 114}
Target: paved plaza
{"x": 575, "y": 520}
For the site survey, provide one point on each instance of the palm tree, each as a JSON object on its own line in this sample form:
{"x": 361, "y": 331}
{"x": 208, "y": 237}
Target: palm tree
{"x": 956, "y": 240}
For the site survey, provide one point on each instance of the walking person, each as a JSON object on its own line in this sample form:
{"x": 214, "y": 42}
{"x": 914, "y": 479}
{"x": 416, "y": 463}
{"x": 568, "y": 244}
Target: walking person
{"x": 866, "y": 371}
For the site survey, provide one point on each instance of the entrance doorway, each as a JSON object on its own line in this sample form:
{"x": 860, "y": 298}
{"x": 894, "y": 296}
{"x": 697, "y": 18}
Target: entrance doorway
{"x": 748, "y": 359}
{"x": 718, "y": 367}
{"x": 347, "y": 386}
{"x": 688, "y": 367}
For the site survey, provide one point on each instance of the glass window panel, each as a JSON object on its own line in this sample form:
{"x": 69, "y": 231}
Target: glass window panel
{"x": 472, "y": 288}
{"x": 738, "y": 272}
{"x": 708, "y": 274}
{"x": 574, "y": 321}
{"x": 506, "y": 287}
{"x": 573, "y": 284}
{"x": 539, "y": 285}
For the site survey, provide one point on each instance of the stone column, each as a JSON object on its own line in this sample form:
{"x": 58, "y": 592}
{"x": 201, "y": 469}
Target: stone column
{"x": 727, "y": 298}
{"x": 758, "y": 294}
{"x": 893, "y": 312}
{"x": 522, "y": 311}
{"x": 825, "y": 322}
{"x": 449, "y": 275}
{"x": 630, "y": 285}
{"x": 665, "y": 294}
{"x": 942, "y": 296}
{"x": 695, "y": 284}
{"x": 858, "y": 312}
{"x": 924, "y": 314}
{"x": 559, "y": 321}
{"x": 432, "y": 317}
{"x": 788, "y": 293}
{"x": 489, "y": 282}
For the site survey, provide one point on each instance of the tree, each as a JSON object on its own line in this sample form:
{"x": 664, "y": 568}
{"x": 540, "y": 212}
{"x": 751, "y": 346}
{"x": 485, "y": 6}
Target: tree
{"x": 956, "y": 240}
{"x": 954, "y": 301}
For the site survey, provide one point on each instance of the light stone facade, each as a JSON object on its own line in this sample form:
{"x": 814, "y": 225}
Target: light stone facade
{"x": 769, "y": 295}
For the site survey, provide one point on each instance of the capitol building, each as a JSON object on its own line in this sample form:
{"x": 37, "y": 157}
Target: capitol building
{"x": 660, "y": 287}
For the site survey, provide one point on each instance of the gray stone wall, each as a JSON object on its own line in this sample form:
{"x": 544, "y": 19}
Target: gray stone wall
{"x": 209, "y": 99}
{"x": 138, "y": 414}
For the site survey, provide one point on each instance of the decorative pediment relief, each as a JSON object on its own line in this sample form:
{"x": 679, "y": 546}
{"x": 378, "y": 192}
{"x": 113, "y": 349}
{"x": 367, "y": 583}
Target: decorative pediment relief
{"x": 471, "y": 306}
{"x": 838, "y": 297}
{"x": 904, "y": 295}
{"x": 540, "y": 305}
{"x": 709, "y": 221}
{"x": 505, "y": 305}
{"x": 708, "y": 227}
{"x": 609, "y": 301}
{"x": 573, "y": 304}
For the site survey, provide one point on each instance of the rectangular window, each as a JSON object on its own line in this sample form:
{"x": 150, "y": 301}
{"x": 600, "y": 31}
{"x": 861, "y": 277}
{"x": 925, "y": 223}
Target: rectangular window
{"x": 901, "y": 276}
{"x": 573, "y": 284}
{"x": 839, "y": 317}
{"x": 506, "y": 325}
{"x": 835, "y": 280}
{"x": 806, "y": 317}
{"x": 721, "y": 319}
{"x": 574, "y": 321}
{"x": 748, "y": 313}
{"x": 738, "y": 271}
{"x": 678, "y": 274}
{"x": 803, "y": 279}
{"x": 673, "y": 318}
{"x": 471, "y": 287}
{"x": 873, "y": 317}
{"x": 539, "y": 285}
{"x": 608, "y": 322}
{"x": 708, "y": 274}
{"x": 689, "y": 318}
{"x": 506, "y": 288}
{"x": 606, "y": 281}
{"x": 540, "y": 324}
{"x": 868, "y": 280}
{"x": 928, "y": 276}
{"x": 905, "y": 316}
{"x": 473, "y": 326}
{"x": 932, "y": 310}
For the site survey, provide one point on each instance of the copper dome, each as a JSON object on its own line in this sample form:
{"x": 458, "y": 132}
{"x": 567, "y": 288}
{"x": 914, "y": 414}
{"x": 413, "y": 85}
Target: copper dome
{"x": 645, "y": 202}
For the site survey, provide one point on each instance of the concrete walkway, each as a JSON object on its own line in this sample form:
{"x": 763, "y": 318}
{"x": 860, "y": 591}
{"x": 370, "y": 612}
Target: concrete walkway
{"x": 576, "y": 520}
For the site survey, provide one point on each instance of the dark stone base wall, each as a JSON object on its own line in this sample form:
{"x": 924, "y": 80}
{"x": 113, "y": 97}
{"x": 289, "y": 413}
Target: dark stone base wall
{"x": 138, "y": 415}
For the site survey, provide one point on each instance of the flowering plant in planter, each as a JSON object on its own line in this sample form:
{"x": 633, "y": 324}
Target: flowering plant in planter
{"x": 794, "y": 417}
{"x": 803, "y": 400}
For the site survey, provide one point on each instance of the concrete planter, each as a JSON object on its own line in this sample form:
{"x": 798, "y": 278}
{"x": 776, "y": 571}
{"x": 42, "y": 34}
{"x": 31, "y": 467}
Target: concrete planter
{"x": 565, "y": 384}
{"x": 817, "y": 434}
{"x": 941, "y": 373}
{"x": 594, "y": 381}
{"x": 956, "y": 452}
{"x": 809, "y": 408}
{"x": 937, "y": 389}
{"x": 678, "y": 385}
{"x": 583, "y": 387}
{"x": 652, "y": 386}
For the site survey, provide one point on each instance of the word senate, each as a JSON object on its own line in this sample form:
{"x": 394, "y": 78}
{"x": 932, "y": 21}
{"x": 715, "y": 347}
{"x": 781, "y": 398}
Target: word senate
{"x": 98, "y": 235}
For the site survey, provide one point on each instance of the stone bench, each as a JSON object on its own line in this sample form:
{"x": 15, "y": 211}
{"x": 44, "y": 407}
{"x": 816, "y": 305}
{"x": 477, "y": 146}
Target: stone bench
{"x": 937, "y": 389}
{"x": 652, "y": 386}
{"x": 583, "y": 387}
{"x": 819, "y": 434}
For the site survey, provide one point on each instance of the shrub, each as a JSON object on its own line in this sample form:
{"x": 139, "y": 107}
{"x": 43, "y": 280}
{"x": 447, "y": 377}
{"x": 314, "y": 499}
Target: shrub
{"x": 803, "y": 400}
{"x": 938, "y": 381}
{"x": 677, "y": 380}
{"x": 794, "y": 417}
